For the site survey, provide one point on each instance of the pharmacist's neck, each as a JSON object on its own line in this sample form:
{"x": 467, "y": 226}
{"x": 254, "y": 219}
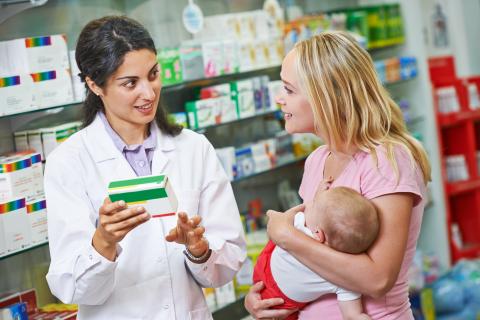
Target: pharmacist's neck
{"x": 133, "y": 135}
{"x": 129, "y": 132}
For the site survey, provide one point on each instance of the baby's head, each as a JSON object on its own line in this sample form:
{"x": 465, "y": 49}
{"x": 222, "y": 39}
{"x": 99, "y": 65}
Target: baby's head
{"x": 348, "y": 220}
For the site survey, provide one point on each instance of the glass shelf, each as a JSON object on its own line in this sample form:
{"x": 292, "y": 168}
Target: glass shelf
{"x": 203, "y": 129}
{"x": 170, "y": 89}
{"x": 293, "y": 161}
{"x": 393, "y": 83}
{"x": 34, "y": 246}
{"x": 67, "y": 105}
{"x": 204, "y": 82}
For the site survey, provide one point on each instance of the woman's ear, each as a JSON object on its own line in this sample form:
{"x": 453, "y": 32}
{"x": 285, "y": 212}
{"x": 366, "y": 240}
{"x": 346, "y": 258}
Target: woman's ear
{"x": 93, "y": 87}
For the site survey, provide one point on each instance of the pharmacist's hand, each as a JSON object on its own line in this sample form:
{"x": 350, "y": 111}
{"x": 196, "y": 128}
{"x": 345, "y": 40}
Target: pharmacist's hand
{"x": 190, "y": 233}
{"x": 114, "y": 222}
{"x": 260, "y": 309}
{"x": 280, "y": 224}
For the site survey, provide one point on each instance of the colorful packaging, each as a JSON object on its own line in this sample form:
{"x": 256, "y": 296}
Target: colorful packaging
{"x": 37, "y": 215}
{"x": 52, "y": 137}
{"x": 16, "y": 94}
{"x": 52, "y": 88}
{"x": 16, "y": 178}
{"x": 154, "y": 193}
{"x": 16, "y": 230}
{"x": 169, "y": 61}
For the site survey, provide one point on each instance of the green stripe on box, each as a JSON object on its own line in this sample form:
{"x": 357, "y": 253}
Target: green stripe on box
{"x": 137, "y": 196}
{"x": 132, "y": 182}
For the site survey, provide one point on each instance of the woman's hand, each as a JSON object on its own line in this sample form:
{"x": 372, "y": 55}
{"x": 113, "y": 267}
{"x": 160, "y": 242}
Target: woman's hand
{"x": 114, "y": 222}
{"x": 260, "y": 309}
{"x": 190, "y": 233}
{"x": 280, "y": 224}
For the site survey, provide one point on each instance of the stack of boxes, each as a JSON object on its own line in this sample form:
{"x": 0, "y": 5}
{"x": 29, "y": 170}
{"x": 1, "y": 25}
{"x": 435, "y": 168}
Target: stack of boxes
{"x": 23, "y": 218}
{"x": 35, "y": 74}
{"x": 232, "y": 101}
{"x": 44, "y": 140}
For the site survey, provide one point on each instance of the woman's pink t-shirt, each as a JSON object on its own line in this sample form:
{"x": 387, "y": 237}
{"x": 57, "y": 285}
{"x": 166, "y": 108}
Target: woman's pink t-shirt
{"x": 363, "y": 175}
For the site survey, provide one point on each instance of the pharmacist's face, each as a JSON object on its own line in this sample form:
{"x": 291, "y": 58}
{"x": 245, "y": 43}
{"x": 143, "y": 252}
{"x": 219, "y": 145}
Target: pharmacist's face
{"x": 296, "y": 109}
{"x": 132, "y": 92}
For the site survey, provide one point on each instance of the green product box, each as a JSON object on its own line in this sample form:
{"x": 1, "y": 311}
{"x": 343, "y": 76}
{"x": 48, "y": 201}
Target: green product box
{"x": 377, "y": 26}
{"x": 154, "y": 193}
{"x": 169, "y": 61}
{"x": 394, "y": 23}
{"x": 357, "y": 22}
{"x": 243, "y": 95}
{"x": 201, "y": 113}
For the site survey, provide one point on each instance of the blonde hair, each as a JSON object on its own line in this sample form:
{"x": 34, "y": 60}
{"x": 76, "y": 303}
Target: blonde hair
{"x": 348, "y": 220}
{"x": 349, "y": 102}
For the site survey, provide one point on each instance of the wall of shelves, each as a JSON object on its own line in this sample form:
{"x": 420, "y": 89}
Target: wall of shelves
{"x": 25, "y": 270}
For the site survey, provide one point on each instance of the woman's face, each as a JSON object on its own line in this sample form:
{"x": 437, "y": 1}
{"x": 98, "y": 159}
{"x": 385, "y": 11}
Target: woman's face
{"x": 131, "y": 94}
{"x": 297, "y": 112}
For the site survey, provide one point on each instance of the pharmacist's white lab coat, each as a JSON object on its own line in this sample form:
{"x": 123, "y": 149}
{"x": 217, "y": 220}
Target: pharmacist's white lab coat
{"x": 150, "y": 279}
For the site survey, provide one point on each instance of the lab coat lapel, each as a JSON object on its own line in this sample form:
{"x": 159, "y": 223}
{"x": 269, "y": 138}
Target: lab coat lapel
{"x": 110, "y": 162}
{"x": 165, "y": 144}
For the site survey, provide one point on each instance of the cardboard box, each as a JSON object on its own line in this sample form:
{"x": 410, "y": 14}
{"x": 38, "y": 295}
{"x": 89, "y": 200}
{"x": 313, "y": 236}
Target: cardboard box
{"x": 154, "y": 193}
{"x": 13, "y": 214}
{"x": 15, "y": 94}
{"x": 169, "y": 61}
{"x": 21, "y": 140}
{"x": 16, "y": 178}
{"x": 34, "y": 138}
{"x": 36, "y": 171}
{"x": 52, "y": 137}
{"x": 46, "y": 53}
{"x": 52, "y": 88}
{"x": 191, "y": 59}
{"x": 37, "y": 215}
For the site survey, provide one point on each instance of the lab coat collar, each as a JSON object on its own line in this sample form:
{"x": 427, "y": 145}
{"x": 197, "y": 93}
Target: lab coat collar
{"x": 104, "y": 150}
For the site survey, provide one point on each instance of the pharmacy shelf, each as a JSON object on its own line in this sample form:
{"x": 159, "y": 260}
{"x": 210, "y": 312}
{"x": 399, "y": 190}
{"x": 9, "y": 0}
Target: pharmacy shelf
{"x": 171, "y": 89}
{"x": 451, "y": 119}
{"x": 65, "y": 105}
{"x": 32, "y": 247}
{"x": 278, "y": 166}
{"x": 205, "y": 82}
{"x": 259, "y": 114}
{"x": 454, "y": 188}
{"x": 469, "y": 251}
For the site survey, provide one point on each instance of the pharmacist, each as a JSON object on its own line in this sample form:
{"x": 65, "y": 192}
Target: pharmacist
{"x": 114, "y": 261}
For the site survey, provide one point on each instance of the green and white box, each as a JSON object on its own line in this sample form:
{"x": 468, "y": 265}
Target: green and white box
{"x": 54, "y": 136}
{"x": 154, "y": 193}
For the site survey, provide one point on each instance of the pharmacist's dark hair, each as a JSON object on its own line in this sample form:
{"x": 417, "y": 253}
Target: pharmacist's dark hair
{"x": 101, "y": 48}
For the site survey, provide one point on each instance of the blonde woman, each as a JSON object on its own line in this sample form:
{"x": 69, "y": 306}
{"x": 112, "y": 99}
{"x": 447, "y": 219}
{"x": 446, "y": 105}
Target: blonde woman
{"x": 332, "y": 90}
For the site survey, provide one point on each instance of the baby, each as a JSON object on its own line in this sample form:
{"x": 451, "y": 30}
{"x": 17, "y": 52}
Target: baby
{"x": 340, "y": 218}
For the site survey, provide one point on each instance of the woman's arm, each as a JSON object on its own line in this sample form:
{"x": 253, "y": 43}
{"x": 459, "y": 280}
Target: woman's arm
{"x": 373, "y": 273}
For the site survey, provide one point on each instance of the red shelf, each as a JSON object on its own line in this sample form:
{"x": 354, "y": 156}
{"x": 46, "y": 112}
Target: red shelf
{"x": 454, "y": 188}
{"x": 459, "y": 134}
{"x": 471, "y": 250}
{"x": 446, "y": 120}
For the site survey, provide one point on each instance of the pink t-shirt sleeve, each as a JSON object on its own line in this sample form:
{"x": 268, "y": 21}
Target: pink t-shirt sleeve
{"x": 376, "y": 181}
